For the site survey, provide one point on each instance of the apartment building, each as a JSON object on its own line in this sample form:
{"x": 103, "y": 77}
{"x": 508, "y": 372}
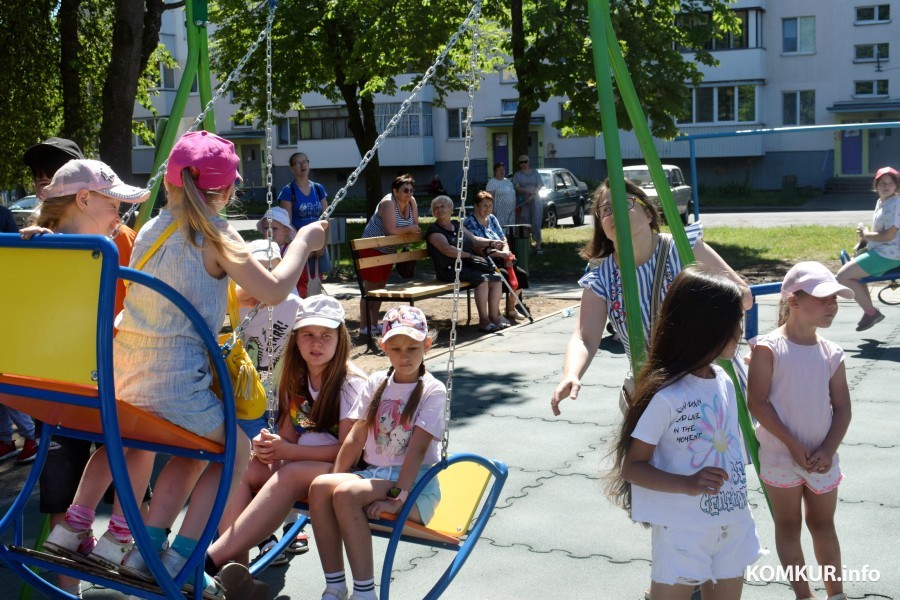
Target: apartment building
{"x": 794, "y": 63}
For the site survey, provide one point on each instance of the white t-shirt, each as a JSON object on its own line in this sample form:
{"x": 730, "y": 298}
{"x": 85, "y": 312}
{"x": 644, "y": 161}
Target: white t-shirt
{"x": 353, "y": 385}
{"x": 388, "y": 447}
{"x": 256, "y": 334}
{"x": 886, "y": 215}
{"x": 694, "y": 424}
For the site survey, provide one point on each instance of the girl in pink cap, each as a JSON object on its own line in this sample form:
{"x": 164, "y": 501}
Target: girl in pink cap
{"x": 798, "y": 392}
{"x": 162, "y": 367}
{"x": 882, "y": 246}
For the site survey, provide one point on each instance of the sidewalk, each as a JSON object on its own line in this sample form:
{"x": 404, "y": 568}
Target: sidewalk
{"x": 554, "y": 534}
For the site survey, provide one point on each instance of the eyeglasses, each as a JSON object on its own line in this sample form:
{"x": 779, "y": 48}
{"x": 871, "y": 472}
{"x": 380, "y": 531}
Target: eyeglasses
{"x": 407, "y": 190}
{"x": 523, "y": 162}
{"x": 606, "y": 210}
{"x": 299, "y": 162}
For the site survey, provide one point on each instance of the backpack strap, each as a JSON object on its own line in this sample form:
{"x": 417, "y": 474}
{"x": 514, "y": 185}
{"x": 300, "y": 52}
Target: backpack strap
{"x": 662, "y": 259}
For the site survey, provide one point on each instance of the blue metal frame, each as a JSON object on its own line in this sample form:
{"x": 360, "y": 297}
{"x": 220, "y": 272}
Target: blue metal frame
{"x": 105, "y": 402}
{"x": 691, "y": 138}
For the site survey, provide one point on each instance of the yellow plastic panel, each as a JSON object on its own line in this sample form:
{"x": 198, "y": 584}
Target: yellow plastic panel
{"x": 462, "y": 486}
{"x": 49, "y": 302}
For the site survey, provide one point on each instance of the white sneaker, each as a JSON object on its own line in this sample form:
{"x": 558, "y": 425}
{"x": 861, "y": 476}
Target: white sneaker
{"x": 110, "y": 552}
{"x": 65, "y": 541}
{"x": 334, "y": 594}
{"x": 134, "y": 566}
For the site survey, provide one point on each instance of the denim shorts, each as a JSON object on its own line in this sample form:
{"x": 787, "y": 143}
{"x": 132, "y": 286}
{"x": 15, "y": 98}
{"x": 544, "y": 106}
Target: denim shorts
{"x": 427, "y": 500}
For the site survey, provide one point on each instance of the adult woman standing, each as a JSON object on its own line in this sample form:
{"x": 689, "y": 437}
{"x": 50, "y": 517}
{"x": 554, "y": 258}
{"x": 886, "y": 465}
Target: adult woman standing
{"x": 396, "y": 213}
{"x": 602, "y": 297}
{"x": 482, "y": 223}
{"x": 305, "y": 200}
{"x": 504, "y": 194}
{"x": 442, "y": 239}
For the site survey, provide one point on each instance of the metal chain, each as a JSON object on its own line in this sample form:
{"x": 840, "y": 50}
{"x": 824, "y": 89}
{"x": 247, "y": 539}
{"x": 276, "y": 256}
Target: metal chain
{"x": 342, "y": 193}
{"x": 454, "y": 312}
{"x": 264, "y": 34}
{"x": 269, "y": 383}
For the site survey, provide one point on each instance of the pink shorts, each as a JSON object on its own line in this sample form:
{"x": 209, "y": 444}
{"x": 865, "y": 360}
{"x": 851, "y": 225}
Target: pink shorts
{"x": 793, "y": 475}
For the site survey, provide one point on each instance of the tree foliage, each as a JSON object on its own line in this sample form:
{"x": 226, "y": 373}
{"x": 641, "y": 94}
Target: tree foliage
{"x": 346, "y": 50}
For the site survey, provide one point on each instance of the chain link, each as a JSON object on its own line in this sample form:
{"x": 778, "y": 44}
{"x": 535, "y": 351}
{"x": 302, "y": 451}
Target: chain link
{"x": 454, "y": 312}
{"x": 342, "y": 193}
{"x": 269, "y": 383}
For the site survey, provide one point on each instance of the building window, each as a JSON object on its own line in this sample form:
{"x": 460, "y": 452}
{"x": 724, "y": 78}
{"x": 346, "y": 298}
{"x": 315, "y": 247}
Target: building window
{"x": 879, "y": 13}
{"x": 879, "y": 87}
{"x": 287, "y": 131}
{"x": 871, "y": 52}
{"x": 152, "y": 124}
{"x": 799, "y": 108}
{"x": 415, "y": 122}
{"x": 798, "y": 35}
{"x": 195, "y": 85}
{"x": 509, "y": 106}
{"x": 167, "y": 74}
{"x": 245, "y": 123}
{"x": 728, "y": 41}
{"x": 722, "y": 104}
{"x": 456, "y": 123}
{"x": 508, "y": 74}
{"x": 327, "y": 123}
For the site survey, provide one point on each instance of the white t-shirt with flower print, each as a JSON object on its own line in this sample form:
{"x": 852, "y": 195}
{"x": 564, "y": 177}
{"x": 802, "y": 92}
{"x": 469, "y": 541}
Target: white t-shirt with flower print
{"x": 694, "y": 424}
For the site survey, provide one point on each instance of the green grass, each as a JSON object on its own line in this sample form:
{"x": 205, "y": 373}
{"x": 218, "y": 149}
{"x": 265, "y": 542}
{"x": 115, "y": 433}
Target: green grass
{"x": 740, "y": 197}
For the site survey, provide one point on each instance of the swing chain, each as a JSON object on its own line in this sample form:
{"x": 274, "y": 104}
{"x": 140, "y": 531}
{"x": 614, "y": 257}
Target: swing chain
{"x": 464, "y": 188}
{"x": 269, "y": 383}
{"x": 264, "y": 34}
{"x": 342, "y": 193}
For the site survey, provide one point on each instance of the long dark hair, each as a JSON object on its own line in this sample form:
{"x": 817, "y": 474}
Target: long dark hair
{"x": 600, "y": 246}
{"x": 325, "y": 412}
{"x": 698, "y": 319}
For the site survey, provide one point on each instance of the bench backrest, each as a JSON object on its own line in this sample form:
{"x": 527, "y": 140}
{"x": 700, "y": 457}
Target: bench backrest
{"x": 400, "y": 239}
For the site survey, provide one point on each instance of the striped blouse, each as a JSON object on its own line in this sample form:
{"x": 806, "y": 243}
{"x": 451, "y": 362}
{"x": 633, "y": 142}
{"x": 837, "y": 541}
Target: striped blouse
{"x": 375, "y": 226}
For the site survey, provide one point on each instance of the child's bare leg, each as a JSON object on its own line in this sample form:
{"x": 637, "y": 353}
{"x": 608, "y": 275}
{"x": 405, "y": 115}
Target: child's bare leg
{"x": 324, "y": 521}
{"x": 663, "y": 591}
{"x": 254, "y": 478}
{"x": 722, "y": 589}
{"x": 850, "y": 275}
{"x": 140, "y": 468}
{"x": 786, "y": 512}
{"x": 267, "y": 510}
{"x": 97, "y": 476}
{"x": 173, "y": 487}
{"x": 820, "y": 521}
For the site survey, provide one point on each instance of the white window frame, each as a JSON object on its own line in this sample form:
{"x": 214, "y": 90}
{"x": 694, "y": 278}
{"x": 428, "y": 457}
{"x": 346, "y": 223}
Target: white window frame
{"x": 456, "y": 127}
{"x": 878, "y": 20}
{"x": 876, "y": 55}
{"x": 509, "y": 106}
{"x": 797, "y": 108}
{"x": 152, "y": 123}
{"x": 508, "y": 75}
{"x": 810, "y": 46}
{"x": 876, "y": 83}
{"x": 292, "y": 122}
{"x": 736, "y": 108}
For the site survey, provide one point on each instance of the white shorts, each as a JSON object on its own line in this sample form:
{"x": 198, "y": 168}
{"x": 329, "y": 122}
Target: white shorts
{"x": 795, "y": 475}
{"x": 694, "y": 555}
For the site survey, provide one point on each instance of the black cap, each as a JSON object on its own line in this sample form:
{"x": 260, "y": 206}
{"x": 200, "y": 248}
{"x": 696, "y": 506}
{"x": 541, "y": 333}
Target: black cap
{"x": 53, "y": 151}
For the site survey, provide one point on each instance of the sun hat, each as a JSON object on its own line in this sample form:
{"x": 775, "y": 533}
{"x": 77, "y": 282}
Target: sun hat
{"x": 211, "y": 159}
{"x": 886, "y": 171}
{"x": 264, "y": 251}
{"x": 814, "y": 279}
{"x": 51, "y": 150}
{"x": 320, "y": 310}
{"x": 279, "y": 215}
{"x": 524, "y": 158}
{"x": 94, "y": 176}
{"x": 404, "y": 320}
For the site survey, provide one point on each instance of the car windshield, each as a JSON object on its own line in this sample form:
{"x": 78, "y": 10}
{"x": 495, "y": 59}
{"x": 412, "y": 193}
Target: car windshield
{"x": 639, "y": 176}
{"x": 545, "y": 178}
{"x": 25, "y": 203}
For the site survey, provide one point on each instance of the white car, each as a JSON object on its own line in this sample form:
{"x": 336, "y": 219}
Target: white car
{"x": 681, "y": 192}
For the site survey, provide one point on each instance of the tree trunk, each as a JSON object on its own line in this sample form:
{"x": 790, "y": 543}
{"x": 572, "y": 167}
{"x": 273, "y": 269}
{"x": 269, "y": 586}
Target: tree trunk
{"x": 69, "y": 71}
{"x": 522, "y": 117}
{"x": 120, "y": 89}
{"x": 361, "y": 117}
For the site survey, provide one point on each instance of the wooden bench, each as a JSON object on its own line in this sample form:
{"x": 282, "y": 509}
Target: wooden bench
{"x": 409, "y": 291}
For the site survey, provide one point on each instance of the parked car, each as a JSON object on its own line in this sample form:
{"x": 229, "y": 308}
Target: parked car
{"x": 23, "y": 208}
{"x": 681, "y": 192}
{"x": 563, "y": 195}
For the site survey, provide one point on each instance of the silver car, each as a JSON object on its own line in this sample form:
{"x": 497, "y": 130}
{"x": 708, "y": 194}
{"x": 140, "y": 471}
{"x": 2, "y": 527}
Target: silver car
{"x": 23, "y": 208}
{"x": 681, "y": 192}
{"x": 563, "y": 195}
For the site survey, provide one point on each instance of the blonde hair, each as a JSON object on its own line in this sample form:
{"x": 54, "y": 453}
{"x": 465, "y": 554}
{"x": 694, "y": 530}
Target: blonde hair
{"x": 51, "y": 211}
{"x": 189, "y": 204}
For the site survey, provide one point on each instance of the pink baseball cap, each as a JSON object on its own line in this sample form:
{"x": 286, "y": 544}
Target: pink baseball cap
{"x": 94, "y": 176}
{"x": 814, "y": 279}
{"x": 211, "y": 159}
{"x": 404, "y": 320}
{"x": 887, "y": 171}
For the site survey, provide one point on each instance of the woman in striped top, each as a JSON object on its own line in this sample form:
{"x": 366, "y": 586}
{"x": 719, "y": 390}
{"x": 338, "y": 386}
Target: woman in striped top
{"x": 603, "y": 298}
{"x": 396, "y": 213}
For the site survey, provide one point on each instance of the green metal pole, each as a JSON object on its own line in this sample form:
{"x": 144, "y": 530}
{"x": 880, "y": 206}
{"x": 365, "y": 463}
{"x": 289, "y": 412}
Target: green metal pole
{"x": 598, "y": 14}
{"x": 196, "y": 64}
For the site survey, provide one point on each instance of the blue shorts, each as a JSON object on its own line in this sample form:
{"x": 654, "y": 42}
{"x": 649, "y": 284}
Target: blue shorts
{"x": 252, "y": 426}
{"x": 427, "y": 500}
{"x": 874, "y": 264}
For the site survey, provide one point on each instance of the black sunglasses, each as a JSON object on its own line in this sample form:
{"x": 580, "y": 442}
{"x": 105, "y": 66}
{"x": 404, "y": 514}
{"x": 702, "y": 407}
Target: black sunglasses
{"x": 523, "y": 162}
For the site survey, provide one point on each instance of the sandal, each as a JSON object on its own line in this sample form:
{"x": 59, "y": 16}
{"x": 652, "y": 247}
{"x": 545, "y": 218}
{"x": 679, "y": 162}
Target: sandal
{"x": 489, "y": 328}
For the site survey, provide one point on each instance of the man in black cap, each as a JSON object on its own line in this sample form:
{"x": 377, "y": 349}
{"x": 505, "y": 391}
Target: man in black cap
{"x": 46, "y": 158}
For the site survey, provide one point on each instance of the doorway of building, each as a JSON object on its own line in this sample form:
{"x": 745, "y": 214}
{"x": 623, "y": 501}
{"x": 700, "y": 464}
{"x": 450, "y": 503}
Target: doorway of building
{"x": 851, "y": 152}
{"x": 501, "y": 149}
{"x": 251, "y": 165}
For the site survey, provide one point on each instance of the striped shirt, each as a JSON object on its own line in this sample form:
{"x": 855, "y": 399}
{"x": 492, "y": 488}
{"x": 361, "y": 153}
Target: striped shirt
{"x": 375, "y": 226}
{"x": 606, "y": 281}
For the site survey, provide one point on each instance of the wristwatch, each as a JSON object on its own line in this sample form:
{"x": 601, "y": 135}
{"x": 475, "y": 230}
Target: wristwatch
{"x": 396, "y": 493}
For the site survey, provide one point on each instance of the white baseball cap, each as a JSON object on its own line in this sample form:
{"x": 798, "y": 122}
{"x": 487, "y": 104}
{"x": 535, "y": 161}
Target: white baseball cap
{"x": 814, "y": 279}
{"x": 320, "y": 310}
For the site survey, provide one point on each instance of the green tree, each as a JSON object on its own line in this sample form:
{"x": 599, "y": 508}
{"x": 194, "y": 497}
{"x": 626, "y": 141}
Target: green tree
{"x": 347, "y": 50}
{"x": 662, "y": 41}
